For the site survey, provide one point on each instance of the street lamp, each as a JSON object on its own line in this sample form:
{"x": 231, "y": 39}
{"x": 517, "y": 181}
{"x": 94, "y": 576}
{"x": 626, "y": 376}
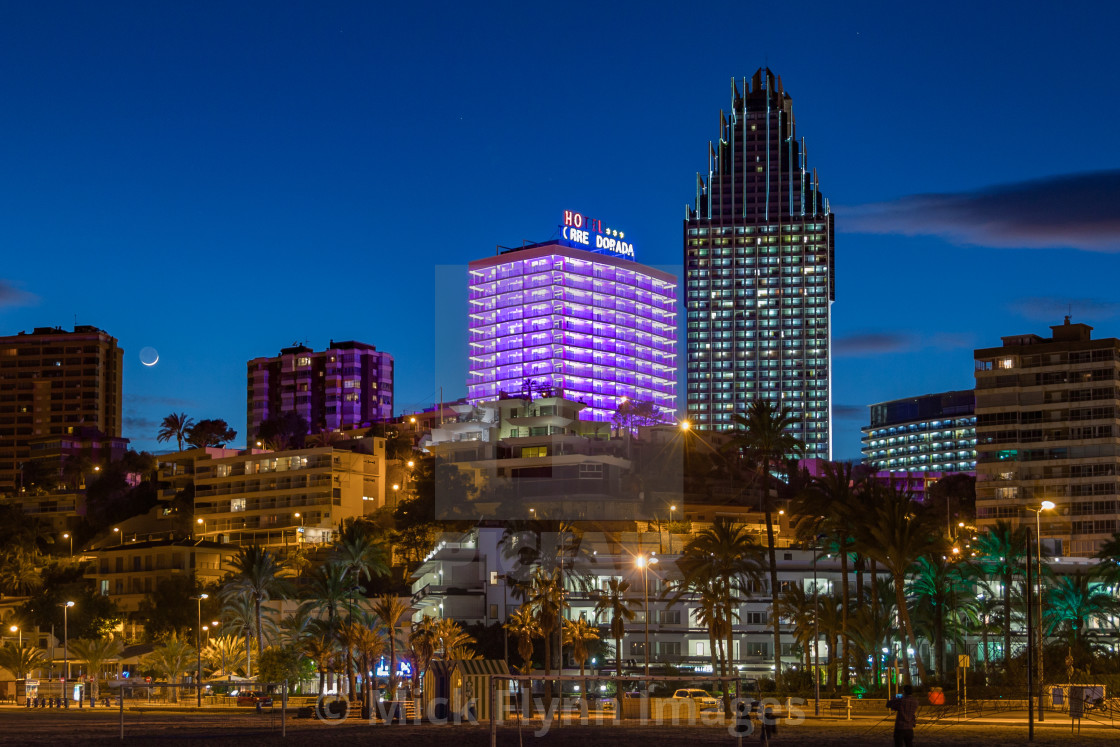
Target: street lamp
{"x": 644, "y": 563}
{"x": 685, "y": 425}
{"x": 65, "y": 644}
{"x": 198, "y": 646}
{"x": 671, "y": 510}
{"x": 18, "y": 629}
{"x": 1044, "y": 506}
{"x": 117, "y": 531}
{"x": 70, "y": 537}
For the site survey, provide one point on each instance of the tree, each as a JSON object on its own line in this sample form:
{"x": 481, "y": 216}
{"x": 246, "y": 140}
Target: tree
{"x": 175, "y": 425}
{"x": 1074, "y": 604}
{"x": 900, "y": 532}
{"x": 579, "y": 634}
{"x": 20, "y": 573}
{"x": 92, "y": 615}
{"x": 546, "y": 599}
{"x": 170, "y": 660}
{"x": 256, "y": 574}
{"x": 363, "y": 556}
{"x": 451, "y": 636}
{"x": 286, "y": 429}
{"x": 934, "y": 585}
{"x": 1000, "y": 552}
{"x": 280, "y": 664}
{"x": 392, "y": 612}
{"x": 422, "y": 644}
{"x": 206, "y": 433}
{"x": 831, "y": 505}
{"x": 801, "y": 609}
{"x": 762, "y": 438}
{"x": 633, "y": 413}
{"x": 722, "y": 559}
{"x": 169, "y": 608}
{"x": 225, "y": 654}
{"x": 614, "y": 601}
{"x": 954, "y": 498}
{"x": 321, "y": 649}
{"x": 524, "y": 628}
{"x": 21, "y": 660}
{"x": 95, "y": 652}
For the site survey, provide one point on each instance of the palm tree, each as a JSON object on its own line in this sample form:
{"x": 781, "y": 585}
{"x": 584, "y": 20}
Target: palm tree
{"x": 225, "y": 654}
{"x": 392, "y": 611}
{"x": 614, "y": 600}
{"x": 450, "y": 636}
{"x": 320, "y": 649}
{"x": 175, "y": 426}
{"x": 1109, "y": 554}
{"x": 934, "y": 585}
{"x": 830, "y": 625}
{"x": 830, "y": 505}
{"x": 1001, "y": 549}
{"x": 525, "y": 628}
{"x": 546, "y": 599}
{"x": 872, "y": 627}
{"x": 579, "y": 634}
{"x": 801, "y": 609}
{"x": 722, "y": 558}
{"x": 367, "y": 645}
{"x": 20, "y": 660}
{"x": 1074, "y": 603}
{"x": 170, "y": 660}
{"x": 763, "y": 439}
{"x": 256, "y": 574}
{"x": 901, "y": 532}
{"x": 422, "y": 644}
{"x": 95, "y": 652}
{"x": 239, "y": 614}
{"x": 363, "y": 556}
{"x": 20, "y": 572}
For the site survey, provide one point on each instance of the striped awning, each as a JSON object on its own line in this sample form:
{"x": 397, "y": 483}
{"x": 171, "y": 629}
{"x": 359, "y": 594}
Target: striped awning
{"x": 483, "y": 666}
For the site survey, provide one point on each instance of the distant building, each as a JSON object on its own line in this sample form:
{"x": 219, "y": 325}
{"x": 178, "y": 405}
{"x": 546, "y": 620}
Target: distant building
{"x": 557, "y": 319}
{"x": 1048, "y": 429}
{"x": 54, "y": 383}
{"x": 285, "y": 498}
{"x": 348, "y": 385}
{"x": 128, "y": 571}
{"x": 930, "y": 433}
{"x": 760, "y": 271}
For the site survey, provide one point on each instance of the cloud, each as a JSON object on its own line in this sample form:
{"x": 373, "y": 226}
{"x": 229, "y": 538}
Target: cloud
{"x": 144, "y": 399}
{"x": 140, "y": 424}
{"x": 10, "y": 295}
{"x": 1052, "y": 309}
{"x": 872, "y": 343}
{"x": 1076, "y": 211}
{"x": 850, "y": 412}
{"x": 863, "y": 344}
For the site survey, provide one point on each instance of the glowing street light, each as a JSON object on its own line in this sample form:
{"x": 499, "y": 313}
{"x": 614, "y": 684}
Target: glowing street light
{"x": 1044, "y": 506}
{"x": 70, "y": 537}
{"x": 198, "y": 647}
{"x": 65, "y": 644}
{"x": 18, "y": 629}
{"x": 644, "y": 563}
{"x": 685, "y": 425}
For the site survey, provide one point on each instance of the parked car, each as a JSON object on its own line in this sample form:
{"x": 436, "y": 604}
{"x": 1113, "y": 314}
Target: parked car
{"x": 703, "y": 698}
{"x": 250, "y": 699}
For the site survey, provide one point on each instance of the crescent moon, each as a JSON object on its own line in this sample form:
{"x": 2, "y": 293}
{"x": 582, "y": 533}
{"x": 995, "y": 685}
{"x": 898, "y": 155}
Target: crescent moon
{"x": 152, "y": 363}
{"x": 151, "y": 353}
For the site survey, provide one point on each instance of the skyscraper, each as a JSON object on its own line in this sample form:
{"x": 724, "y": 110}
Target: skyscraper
{"x": 758, "y": 250}
{"x": 593, "y": 327}
{"x": 54, "y": 382}
{"x": 348, "y": 385}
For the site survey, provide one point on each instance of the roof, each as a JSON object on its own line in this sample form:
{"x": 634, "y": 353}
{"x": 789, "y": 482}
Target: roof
{"x": 482, "y": 666}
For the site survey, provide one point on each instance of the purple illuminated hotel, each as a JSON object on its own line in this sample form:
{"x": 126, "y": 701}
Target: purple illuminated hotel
{"x": 591, "y": 327}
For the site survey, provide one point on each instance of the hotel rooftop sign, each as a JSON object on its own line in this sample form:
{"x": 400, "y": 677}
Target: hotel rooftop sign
{"x": 591, "y": 234}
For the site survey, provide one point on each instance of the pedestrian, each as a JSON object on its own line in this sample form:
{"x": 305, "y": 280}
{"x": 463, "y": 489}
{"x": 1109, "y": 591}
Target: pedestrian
{"x": 905, "y": 707}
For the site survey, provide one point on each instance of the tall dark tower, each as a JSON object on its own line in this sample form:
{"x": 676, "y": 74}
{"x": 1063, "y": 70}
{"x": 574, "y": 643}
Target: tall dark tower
{"x": 760, "y": 281}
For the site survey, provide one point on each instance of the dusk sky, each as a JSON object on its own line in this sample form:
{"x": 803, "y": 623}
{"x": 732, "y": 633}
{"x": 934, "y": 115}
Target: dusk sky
{"x": 219, "y": 180}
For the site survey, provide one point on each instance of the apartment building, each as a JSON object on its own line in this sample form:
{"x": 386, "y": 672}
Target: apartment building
{"x": 1048, "y": 429}
{"x": 128, "y": 571}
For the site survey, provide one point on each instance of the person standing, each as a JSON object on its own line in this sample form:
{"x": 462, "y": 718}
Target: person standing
{"x": 905, "y": 707}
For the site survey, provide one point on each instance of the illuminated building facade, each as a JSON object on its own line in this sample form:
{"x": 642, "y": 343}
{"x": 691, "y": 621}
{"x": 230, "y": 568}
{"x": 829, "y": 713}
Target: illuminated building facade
{"x": 760, "y": 276}
{"x": 931, "y": 433}
{"x": 1048, "y": 429}
{"x": 557, "y": 319}
{"x": 55, "y": 383}
{"x": 348, "y": 385}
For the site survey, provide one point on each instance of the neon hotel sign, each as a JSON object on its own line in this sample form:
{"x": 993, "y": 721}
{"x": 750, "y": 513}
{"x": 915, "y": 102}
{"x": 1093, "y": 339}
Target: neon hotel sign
{"x": 580, "y": 229}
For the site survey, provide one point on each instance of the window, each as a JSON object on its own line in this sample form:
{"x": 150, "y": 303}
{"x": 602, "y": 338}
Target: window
{"x": 755, "y": 618}
{"x": 237, "y": 504}
{"x": 303, "y": 360}
{"x": 534, "y": 452}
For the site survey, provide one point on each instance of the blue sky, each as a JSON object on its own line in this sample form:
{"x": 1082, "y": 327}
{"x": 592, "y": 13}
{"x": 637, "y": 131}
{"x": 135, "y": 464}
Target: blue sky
{"x": 218, "y": 180}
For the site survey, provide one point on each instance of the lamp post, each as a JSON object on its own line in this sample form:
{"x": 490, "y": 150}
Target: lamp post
{"x": 198, "y": 647}
{"x": 816, "y": 642}
{"x": 65, "y": 645}
{"x": 1030, "y": 644}
{"x": 18, "y": 629}
{"x": 1044, "y": 506}
{"x": 117, "y": 531}
{"x": 644, "y": 563}
{"x": 671, "y": 510}
{"x": 70, "y": 537}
